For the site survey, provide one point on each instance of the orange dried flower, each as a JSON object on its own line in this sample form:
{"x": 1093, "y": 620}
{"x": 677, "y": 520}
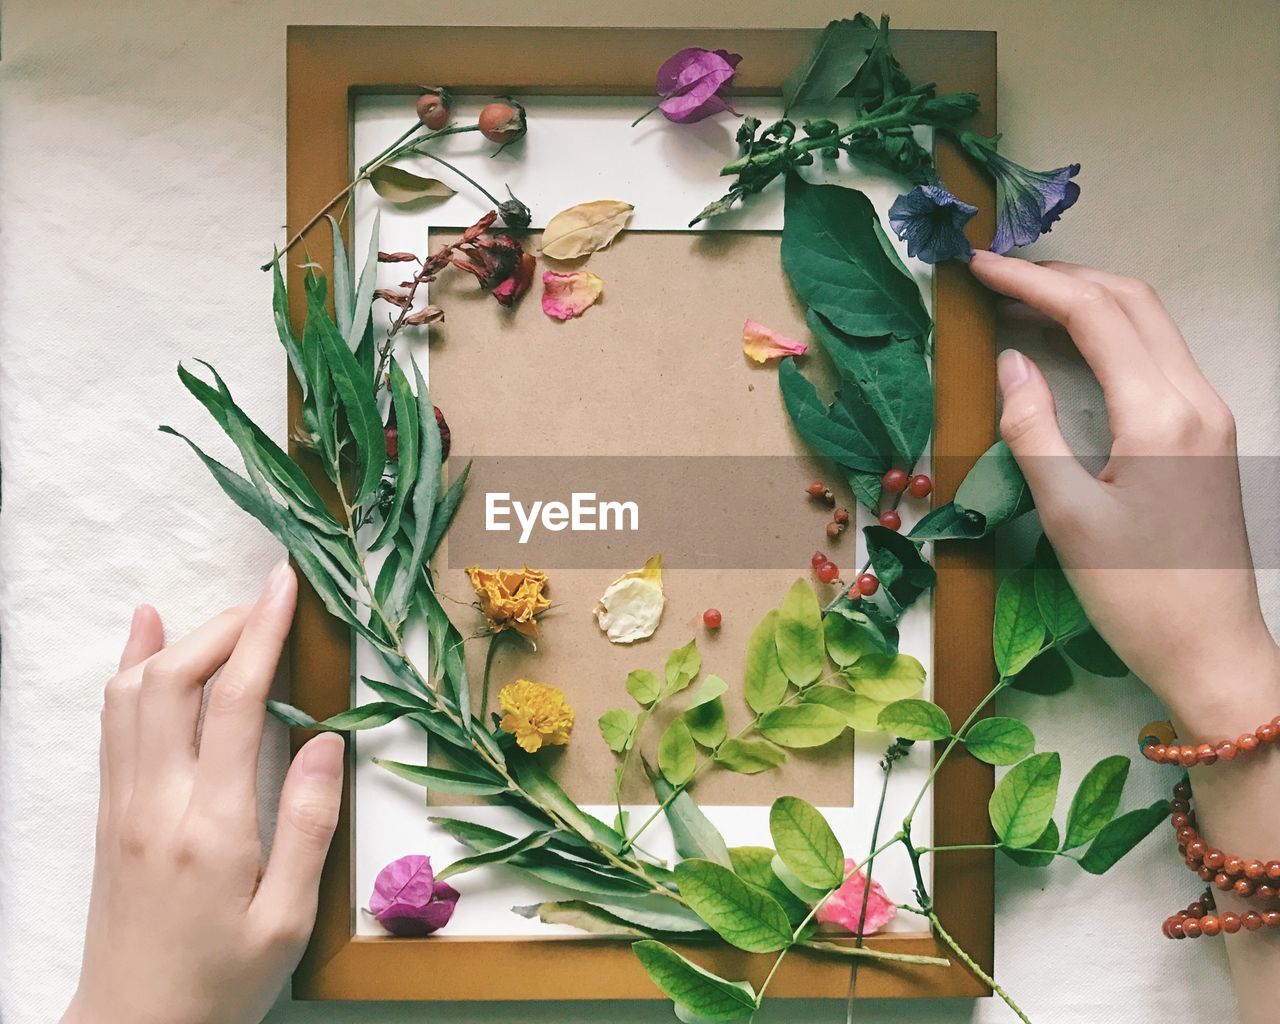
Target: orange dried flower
{"x": 535, "y": 714}
{"x": 511, "y": 599}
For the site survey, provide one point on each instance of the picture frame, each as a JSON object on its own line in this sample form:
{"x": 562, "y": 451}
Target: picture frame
{"x": 328, "y": 67}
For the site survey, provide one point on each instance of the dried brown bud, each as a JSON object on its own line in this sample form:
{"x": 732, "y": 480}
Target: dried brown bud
{"x": 396, "y": 257}
{"x": 426, "y": 315}
{"x": 401, "y": 299}
{"x": 434, "y": 108}
{"x": 446, "y": 437}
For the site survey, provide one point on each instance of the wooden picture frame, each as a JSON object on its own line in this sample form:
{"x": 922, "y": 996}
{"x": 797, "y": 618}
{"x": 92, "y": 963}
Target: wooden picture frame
{"x": 327, "y": 68}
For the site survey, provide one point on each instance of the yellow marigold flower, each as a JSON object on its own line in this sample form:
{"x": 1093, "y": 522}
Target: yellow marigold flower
{"x": 510, "y": 599}
{"x": 535, "y": 714}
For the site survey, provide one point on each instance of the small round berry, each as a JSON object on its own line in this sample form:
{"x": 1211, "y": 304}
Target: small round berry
{"x": 434, "y": 108}
{"x": 816, "y": 489}
{"x": 828, "y": 572}
{"x": 868, "y": 584}
{"x": 920, "y": 487}
{"x": 834, "y": 530}
{"x": 894, "y": 481}
{"x": 712, "y": 618}
{"x": 502, "y": 122}
{"x": 817, "y": 559}
{"x": 841, "y": 516}
{"x": 890, "y": 519}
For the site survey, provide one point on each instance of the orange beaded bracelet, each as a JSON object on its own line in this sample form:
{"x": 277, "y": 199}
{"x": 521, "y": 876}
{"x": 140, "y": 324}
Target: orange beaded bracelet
{"x": 1157, "y": 744}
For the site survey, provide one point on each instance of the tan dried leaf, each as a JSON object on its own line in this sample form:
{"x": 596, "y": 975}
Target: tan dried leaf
{"x": 584, "y": 228}
{"x": 396, "y": 185}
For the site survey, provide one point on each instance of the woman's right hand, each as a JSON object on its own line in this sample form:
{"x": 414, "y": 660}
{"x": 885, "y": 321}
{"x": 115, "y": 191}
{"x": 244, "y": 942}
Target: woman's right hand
{"x": 1155, "y": 545}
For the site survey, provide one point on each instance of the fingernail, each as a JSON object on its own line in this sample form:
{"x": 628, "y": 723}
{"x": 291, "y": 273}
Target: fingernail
{"x": 322, "y": 757}
{"x": 136, "y": 622}
{"x": 1012, "y": 370}
{"x": 276, "y": 580}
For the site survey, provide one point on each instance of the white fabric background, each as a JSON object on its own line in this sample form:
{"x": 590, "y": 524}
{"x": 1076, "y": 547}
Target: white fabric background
{"x": 142, "y": 170}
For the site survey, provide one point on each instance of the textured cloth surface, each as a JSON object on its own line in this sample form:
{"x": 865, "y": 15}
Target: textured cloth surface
{"x": 141, "y": 184}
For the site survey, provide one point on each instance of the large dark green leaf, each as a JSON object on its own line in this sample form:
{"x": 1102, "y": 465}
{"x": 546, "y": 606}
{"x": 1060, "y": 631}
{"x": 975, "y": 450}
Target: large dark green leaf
{"x": 1022, "y": 803}
{"x": 741, "y": 914}
{"x": 690, "y": 986}
{"x": 1039, "y": 854}
{"x": 831, "y": 64}
{"x": 1120, "y": 836}
{"x": 836, "y": 433}
{"x": 1048, "y": 673}
{"x": 1095, "y": 802}
{"x": 1093, "y": 654}
{"x": 837, "y": 266}
{"x": 903, "y": 572}
{"x": 995, "y": 488}
{"x": 949, "y": 522}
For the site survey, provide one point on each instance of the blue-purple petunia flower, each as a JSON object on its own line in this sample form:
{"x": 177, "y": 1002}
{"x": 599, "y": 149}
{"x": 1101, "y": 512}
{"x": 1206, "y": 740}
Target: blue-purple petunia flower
{"x": 1028, "y": 202}
{"x": 931, "y": 221}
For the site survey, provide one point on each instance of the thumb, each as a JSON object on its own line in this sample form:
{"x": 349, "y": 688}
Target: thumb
{"x": 1029, "y": 426}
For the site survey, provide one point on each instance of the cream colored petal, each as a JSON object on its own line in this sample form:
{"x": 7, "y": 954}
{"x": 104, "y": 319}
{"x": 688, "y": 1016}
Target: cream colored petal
{"x": 631, "y": 606}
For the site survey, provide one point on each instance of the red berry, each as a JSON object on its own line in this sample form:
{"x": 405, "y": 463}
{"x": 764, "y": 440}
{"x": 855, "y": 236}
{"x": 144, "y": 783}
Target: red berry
{"x": 434, "y": 108}
{"x": 817, "y": 489}
{"x": 834, "y": 530}
{"x": 828, "y": 572}
{"x": 711, "y": 618}
{"x": 817, "y": 559}
{"x": 894, "y": 481}
{"x": 868, "y": 584}
{"x": 841, "y": 516}
{"x": 890, "y": 519}
{"x": 920, "y": 486}
{"x": 393, "y": 442}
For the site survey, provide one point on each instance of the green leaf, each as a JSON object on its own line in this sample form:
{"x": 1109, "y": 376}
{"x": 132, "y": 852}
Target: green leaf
{"x": 687, "y": 984}
{"x": 915, "y": 720}
{"x": 1120, "y": 836}
{"x": 363, "y": 297}
{"x": 860, "y": 713}
{"x": 1047, "y": 674}
{"x": 500, "y": 855}
{"x": 999, "y": 740}
{"x": 444, "y": 781}
{"x": 1035, "y": 855}
{"x": 683, "y": 664}
{"x": 799, "y": 635}
{"x": 284, "y": 329}
{"x": 806, "y": 843}
{"x": 406, "y": 410}
{"x": 449, "y": 666}
{"x": 753, "y": 864}
{"x": 342, "y": 300}
{"x": 839, "y": 432}
{"x": 1093, "y": 654}
{"x": 804, "y": 725}
{"x": 548, "y": 795}
{"x": 879, "y": 632}
{"x": 1096, "y": 801}
{"x": 1022, "y": 803}
{"x": 691, "y": 830}
{"x": 749, "y": 757}
{"x": 1058, "y": 604}
{"x": 867, "y": 488}
{"x": 657, "y": 913}
{"x": 903, "y": 572}
{"x": 886, "y": 678}
{"x": 807, "y": 894}
{"x": 706, "y": 721}
{"x": 849, "y": 639}
{"x": 742, "y": 915}
{"x": 765, "y": 684}
{"x": 891, "y": 376}
{"x": 618, "y": 729}
{"x": 643, "y": 686}
{"x": 833, "y": 257}
{"x": 837, "y": 54}
{"x": 995, "y": 488}
{"x": 584, "y": 916}
{"x": 949, "y": 522}
{"x": 445, "y": 509}
{"x": 396, "y": 185}
{"x": 677, "y": 756}
{"x": 708, "y": 692}
{"x": 1018, "y": 631}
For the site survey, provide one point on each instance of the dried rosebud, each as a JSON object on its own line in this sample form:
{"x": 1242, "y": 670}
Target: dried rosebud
{"x": 396, "y": 257}
{"x": 392, "y": 435}
{"x": 401, "y": 299}
{"x": 407, "y": 899}
{"x": 479, "y": 227}
{"x": 514, "y": 213}
{"x": 446, "y": 437}
{"x": 510, "y": 290}
{"x": 491, "y": 259}
{"x": 503, "y": 122}
{"x": 426, "y": 315}
{"x": 434, "y": 108}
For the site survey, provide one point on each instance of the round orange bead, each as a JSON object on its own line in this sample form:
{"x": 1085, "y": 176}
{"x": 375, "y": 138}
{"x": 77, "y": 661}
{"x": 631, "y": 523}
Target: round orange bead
{"x": 1188, "y": 756}
{"x": 1227, "y": 750}
{"x": 1265, "y": 892}
{"x": 1230, "y": 922}
{"x": 1243, "y": 887}
{"x": 1210, "y": 925}
{"x": 1191, "y": 928}
{"x": 1222, "y": 881}
{"x": 1233, "y": 865}
{"x": 1252, "y": 921}
{"x": 1214, "y": 858}
{"x": 1254, "y": 869}
{"x": 1197, "y": 849}
{"x": 1247, "y": 742}
{"x": 1206, "y": 874}
{"x": 1267, "y": 733}
{"x": 1273, "y": 870}
{"x": 1271, "y": 918}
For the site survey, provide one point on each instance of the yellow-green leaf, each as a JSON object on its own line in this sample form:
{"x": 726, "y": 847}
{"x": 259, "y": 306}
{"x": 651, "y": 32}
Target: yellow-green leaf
{"x": 749, "y": 757}
{"x": 644, "y": 686}
{"x": 691, "y": 986}
{"x": 799, "y": 635}
{"x": 742, "y": 915}
{"x": 886, "y": 678}
{"x": 861, "y": 713}
{"x": 915, "y": 720}
{"x": 806, "y": 843}
{"x": 765, "y": 684}
{"x": 584, "y": 228}
{"x": 804, "y": 725}
{"x": 1022, "y": 803}
{"x": 677, "y": 756}
{"x": 618, "y": 729}
{"x": 396, "y": 185}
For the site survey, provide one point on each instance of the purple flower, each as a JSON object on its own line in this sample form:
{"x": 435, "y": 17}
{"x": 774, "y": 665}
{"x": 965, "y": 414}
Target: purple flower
{"x": 1028, "y": 203}
{"x": 689, "y": 83}
{"x": 407, "y": 899}
{"x": 931, "y": 221}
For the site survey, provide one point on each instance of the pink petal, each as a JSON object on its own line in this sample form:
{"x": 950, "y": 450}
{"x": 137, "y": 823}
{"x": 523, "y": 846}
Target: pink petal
{"x": 565, "y": 296}
{"x": 844, "y": 908}
{"x": 407, "y": 900}
{"x": 690, "y": 80}
{"x": 762, "y": 344}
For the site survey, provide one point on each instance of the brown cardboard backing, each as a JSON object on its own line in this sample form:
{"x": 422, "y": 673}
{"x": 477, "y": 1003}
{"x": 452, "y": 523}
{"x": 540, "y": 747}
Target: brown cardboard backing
{"x": 327, "y": 67}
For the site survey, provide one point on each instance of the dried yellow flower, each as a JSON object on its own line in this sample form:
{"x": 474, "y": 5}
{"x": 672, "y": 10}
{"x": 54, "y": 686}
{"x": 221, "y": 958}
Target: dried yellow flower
{"x": 510, "y": 599}
{"x": 535, "y": 714}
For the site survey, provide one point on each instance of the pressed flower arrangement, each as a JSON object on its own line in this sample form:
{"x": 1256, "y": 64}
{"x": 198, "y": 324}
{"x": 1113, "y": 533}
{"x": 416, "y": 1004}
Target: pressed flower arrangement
{"x": 814, "y": 668}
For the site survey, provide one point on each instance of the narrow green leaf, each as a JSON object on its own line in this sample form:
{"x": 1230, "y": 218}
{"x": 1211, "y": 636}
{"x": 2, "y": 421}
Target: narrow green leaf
{"x": 284, "y": 330}
{"x": 500, "y": 855}
{"x": 363, "y": 297}
{"x": 805, "y": 843}
{"x": 1093, "y": 654}
{"x": 804, "y": 725}
{"x": 677, "y": 756}
{"x": 618, "y": 728}
{"x": 446, "y": 507}
{"x": 689, "y": 985}
{"x": 765, "y": 684}
{"x": 1022, "y": 803}
{"x": 749, "y": 757}
{"x": 691, "y": 830}
{"x": 343, "y": 303}
{"x": 543, "y": 789}
{"x": 644, "y": 686}
{"x": 1039, "y": 854}
{"x": 1096, "y": 801}
{"x": 355, "y": 392}
{"x": 886, "y": 678}
{"x": 798, "y": 636}
{"x": 406, "y": 410}
{"x": 1120, "y": 836}
{"x": 368, "y": 716}
{"x": 683, "y": 664}
{"x": 444, "y": 781}
{"x": 742, "y": 915}
{"x": 915, "y": 720}
{"x": 1018, "y": 631}
{"x": 999, "y": 740}
{"x": 584, "y": 916}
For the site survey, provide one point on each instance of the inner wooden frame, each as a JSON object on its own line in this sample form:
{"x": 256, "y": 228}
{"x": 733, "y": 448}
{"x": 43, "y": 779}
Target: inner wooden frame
{"x": 327, "y": 68}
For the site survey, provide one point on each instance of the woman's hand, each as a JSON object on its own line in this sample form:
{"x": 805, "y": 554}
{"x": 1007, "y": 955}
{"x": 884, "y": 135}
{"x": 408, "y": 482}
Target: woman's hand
{"x": 185, "y": 926}
{"x": 1155, "y": 545}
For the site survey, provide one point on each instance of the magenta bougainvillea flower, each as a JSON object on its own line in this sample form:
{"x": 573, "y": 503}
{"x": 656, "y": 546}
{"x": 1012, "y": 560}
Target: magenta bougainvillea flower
{"x": 844, "y": 908}
{"x": 691, "y": 82}
{"x": 931, "y": 221}
{"x": 407, "y": 899}
{"x": 1028, "y": 202}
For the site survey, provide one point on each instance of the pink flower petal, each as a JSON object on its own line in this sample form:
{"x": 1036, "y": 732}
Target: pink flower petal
{"x": 565, "y": 296}
{"x": 689, "y": 83}
{"x": 762, "y": 344}
{"x": 844, "y": 908}
{"x": 407, "y": 900}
